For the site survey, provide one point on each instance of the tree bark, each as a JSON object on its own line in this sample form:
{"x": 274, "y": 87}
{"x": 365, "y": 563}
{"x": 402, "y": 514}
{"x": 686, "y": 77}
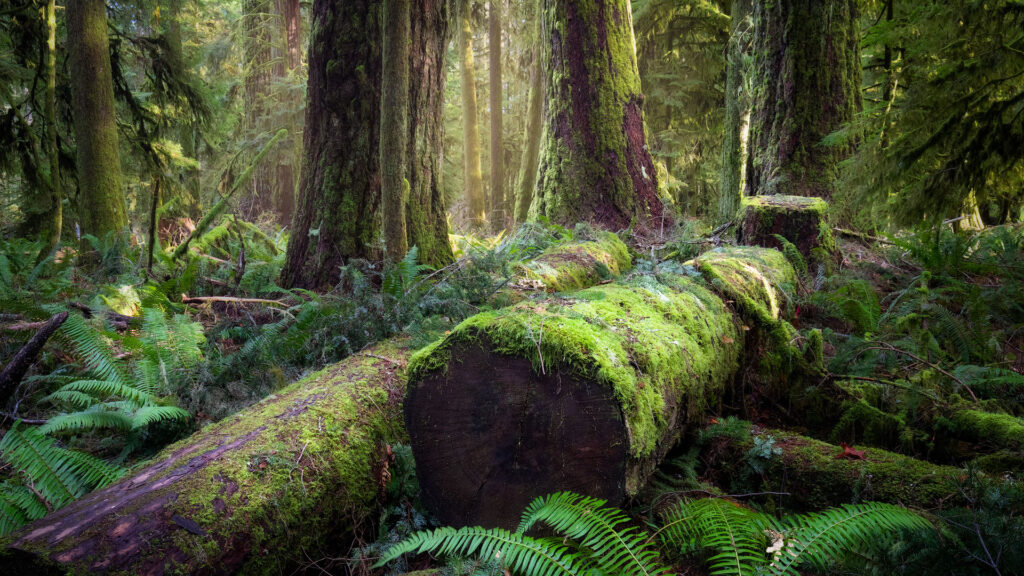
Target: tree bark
{"x": 189, "y": 194}
{"x": 595, "y": 165}
{"x": 394, "y": 127}
{"x": 338, "y": 213}
{"x": 258, "y": 77}
{"x": 531, "y": 140}
{"x": 807, "y": 81}
{"x": 101, "y": 201}
{"x": 56, "y": 216}
{"x": 290, "y": 12}
{"x": 291, "y": 478}
{"x": 737, "y": 104}
{"x": 473, "y": 179}
{"x": 499, "y": 207}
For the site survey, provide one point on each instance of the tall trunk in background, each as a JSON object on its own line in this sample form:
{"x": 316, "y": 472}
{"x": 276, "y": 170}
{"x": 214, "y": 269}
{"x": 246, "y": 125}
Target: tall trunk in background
{"x": 531, "y": 139}
{"x": 807, "y": 81}
{"x": 56, "y": 215}
{"x": 394, "y": 126}
{"x": 101, "y": 200}
{"x": 188, "y": 195}
{"x": 426, "y": 212}
{"x": 595, "y": 165}
{"x": 290, "y": 14}
{"x": 737, "y": 103}
{"x": 474, "y": 180}
{"x": 338, "y": 209}
{"x": 499, "y": 207}
{"x": 258, "y": 76}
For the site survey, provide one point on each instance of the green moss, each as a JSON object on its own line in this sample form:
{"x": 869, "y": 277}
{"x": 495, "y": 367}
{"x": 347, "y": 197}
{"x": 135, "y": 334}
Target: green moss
{"x": 652, "y": 343}
{"x": 999, "y": 430}
{"x": 574, "y": 266}
{"x": 758, "y": 280}
{"x": 305, "y": 470}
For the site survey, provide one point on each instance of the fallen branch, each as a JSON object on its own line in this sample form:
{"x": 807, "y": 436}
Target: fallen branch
{"x": 863, "y": 236}
{"x": 229, "y": 300}
{"x": 15, "y": 370}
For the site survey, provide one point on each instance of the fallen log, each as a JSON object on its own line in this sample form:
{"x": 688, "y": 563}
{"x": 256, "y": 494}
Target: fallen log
{"x": 253, "y": 494}
{"x": 576, "y": 265}
{"x": 817, "y": 475}
{"x": 583, "y": 392}
{"x": 15, "y": 370}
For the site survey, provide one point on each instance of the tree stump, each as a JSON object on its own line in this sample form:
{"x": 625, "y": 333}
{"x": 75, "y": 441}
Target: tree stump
{"x": 800, "y": 220}
{"x": 582, "y": 392}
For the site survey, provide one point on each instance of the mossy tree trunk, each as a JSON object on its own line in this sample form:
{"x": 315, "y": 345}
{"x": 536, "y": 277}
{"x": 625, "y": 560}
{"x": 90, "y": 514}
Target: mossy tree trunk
{"x": 499, "y": 208}
{"x": 531, "y": 140}
{"x": 338, "y": 214}
{"x": 737, "y": 104}
{"x": 56, "y": 215}
{"x": 473, "y": 180}
{"x": 187, "y": 197}
{"x": 394, "y": 127}
{"x": 806, "y": 85}
{"x": 595, "y": 164}
{"x": 293, "y": 477}
{"x": 101, "y": 194}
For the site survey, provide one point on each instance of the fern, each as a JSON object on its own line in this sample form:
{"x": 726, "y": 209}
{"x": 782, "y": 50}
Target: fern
{"x": 594, "y": 542}
{"x": 522, "y": 554}
{"x": 596, "y": 527}
{"x": 733, "y": 533}
{"x": 736, "y": 535}
{"x": 55, "y": 474}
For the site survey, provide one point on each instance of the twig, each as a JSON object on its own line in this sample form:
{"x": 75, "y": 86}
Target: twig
{"x": 28, "y": 421}
{"x": 229, "y": 300}
{"x": 15, "y": 370}
{"x": 863, "y": 236}
{"x": 884, "y": 347}
{"x": 384, "y": 358}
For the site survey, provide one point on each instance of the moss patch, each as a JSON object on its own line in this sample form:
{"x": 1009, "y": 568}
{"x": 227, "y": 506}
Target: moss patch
{"x": 290, "y": 474}
{"x": 655, "y": 344}
{"x": 574, "y": 266}
{"x": 759, "y": 280}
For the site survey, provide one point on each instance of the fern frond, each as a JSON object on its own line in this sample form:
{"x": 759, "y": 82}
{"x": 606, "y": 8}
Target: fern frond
{"x": 94, "y": 351}
{"x": 595, "y": 526}
{"x": 74, "y": 398}
{"x": 151, "y": 414}
{"x": 822, "y": 538}
{"x": 60, "y": 475}
{"x": 734, "y": 534}
{"x": 106, "y": 389}
{"x": 522, "y": 554}
{"x": 95, "y": 418}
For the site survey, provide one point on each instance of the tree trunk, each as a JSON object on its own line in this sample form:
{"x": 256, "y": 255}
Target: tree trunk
{"x": 737, "y": 103}
{"x": 258, "y": 77}
{"x": 807, "y": 81}
{"x": 338, "y": 214}
{"x": 394, "y": 127}
{"x": 427, "y": 211}
{"x": 499, "y": 207}
{"x": 298, "y": 475}
{"x": 101, "y": 201}
{"x": 473, "y": 180}
{"x": 189, "y": 194}
{"x": 56, "y": 216}
{"x": 595, "y": 165}
{"x": 290, "y": 12}
{"x": 531, "y": 140}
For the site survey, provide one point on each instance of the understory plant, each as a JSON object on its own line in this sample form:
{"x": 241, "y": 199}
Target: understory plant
{"x": 596, "y": 539}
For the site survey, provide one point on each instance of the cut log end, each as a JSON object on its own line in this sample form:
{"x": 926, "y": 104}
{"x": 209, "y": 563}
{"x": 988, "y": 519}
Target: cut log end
{"x": 501, "y": 430}
{"x": 798, "y": 219}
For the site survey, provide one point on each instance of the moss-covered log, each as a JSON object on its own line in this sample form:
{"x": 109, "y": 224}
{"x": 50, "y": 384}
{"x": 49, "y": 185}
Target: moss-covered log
{"x": 801, "y": 221}
{"x": 285, "y": 480}
{"x": 817, "y": 475}
{"x": 758, "y": 280}
{"x": 578, "y": 265}
{"x": 582, "y": 392}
